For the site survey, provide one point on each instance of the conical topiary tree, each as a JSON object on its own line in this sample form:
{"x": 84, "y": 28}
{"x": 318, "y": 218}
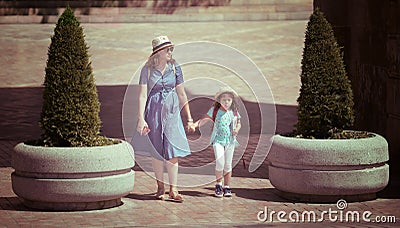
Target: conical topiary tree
{"x": 70, "y": 112}
{"x": 325, "y": 104}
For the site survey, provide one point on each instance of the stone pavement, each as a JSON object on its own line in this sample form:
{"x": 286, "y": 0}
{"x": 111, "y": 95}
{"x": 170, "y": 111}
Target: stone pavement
{"x": 117, "y": 52}
{"x": 252, "y": 193}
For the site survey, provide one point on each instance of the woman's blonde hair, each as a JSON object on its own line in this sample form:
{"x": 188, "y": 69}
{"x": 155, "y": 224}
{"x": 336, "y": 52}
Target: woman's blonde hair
{"x": 154, "y": 60}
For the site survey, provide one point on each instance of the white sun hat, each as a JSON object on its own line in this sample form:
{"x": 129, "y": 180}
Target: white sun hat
{"x": 159, "y": 43}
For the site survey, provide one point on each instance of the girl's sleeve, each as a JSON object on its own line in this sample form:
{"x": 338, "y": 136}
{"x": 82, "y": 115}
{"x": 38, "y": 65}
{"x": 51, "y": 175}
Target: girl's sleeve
{"x": 238, "y": 115}
{"x": 179, "y": 74}
{"x": 144, "y": 77}
{"x": 210, "y": 112}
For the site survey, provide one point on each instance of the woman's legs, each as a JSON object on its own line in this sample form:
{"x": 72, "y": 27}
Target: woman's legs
{"x": 158, "y": 167}
{"x": 172, "y": 168}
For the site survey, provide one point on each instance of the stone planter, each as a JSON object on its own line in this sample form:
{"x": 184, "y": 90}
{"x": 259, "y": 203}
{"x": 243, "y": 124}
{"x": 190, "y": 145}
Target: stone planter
{"x": 72, "y": 178}
{"x": 315, "y": 170}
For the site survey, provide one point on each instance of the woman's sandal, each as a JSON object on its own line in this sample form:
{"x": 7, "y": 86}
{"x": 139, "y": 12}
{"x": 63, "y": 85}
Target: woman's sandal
{"x": 160, "y": 194}
{"x": 175, "y": 197}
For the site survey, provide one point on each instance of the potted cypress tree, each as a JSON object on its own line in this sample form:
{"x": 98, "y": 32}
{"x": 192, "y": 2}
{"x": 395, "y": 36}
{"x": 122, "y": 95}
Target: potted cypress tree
{"x": 321, "y": 160}
{"x": 72, "y": 167}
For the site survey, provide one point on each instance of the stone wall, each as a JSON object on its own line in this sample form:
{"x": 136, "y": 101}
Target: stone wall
{"x": 369, "y": 31}
{"x": 131, "y": 11}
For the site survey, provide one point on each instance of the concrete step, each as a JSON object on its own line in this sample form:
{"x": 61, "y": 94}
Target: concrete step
{"x": 155, "y": 18}
{"x": 140, "y": 3}
{"x": 145, "y": 11}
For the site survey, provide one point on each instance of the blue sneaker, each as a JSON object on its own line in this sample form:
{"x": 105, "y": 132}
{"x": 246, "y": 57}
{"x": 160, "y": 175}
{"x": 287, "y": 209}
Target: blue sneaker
{"x": 227, "y": 192}
{"x": 218, "y": 190}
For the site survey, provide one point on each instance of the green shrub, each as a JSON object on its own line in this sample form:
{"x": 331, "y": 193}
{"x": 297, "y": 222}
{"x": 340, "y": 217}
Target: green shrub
{"x": 325, "y": 103}
{"x": 70, "y": 112}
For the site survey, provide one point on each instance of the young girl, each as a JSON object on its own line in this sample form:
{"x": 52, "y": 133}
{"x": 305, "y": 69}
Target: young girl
{"x": 223, "y": 138}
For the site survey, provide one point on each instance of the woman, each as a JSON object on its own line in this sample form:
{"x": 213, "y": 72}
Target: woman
{"x": 161, "y": 93}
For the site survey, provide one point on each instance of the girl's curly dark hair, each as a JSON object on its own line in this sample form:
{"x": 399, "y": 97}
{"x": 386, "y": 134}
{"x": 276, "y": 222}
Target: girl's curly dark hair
{"x": 217, "y": 104}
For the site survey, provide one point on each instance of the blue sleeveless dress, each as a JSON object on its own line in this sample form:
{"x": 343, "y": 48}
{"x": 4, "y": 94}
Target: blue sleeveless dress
{"x": 162, "y": 113}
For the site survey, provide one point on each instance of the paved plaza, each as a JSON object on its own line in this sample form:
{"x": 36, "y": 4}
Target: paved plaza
{"x": 117, "y": 52}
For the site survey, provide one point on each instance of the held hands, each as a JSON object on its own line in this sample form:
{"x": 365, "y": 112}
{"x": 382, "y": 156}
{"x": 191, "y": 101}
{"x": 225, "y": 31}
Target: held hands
{"x": 142, "y": 127}
{"x": 191, "y": 126}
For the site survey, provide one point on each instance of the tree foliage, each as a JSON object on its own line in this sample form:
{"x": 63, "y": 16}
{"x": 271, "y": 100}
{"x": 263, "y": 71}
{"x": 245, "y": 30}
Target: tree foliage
{"x": 325, "y": 104}
{"x": 70, "y": 112}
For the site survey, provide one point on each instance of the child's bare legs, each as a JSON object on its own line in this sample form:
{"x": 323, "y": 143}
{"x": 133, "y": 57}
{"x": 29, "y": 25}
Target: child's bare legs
{"x": 172, "y": 168}
{"x": 218, "y": 176}
{"x": 227, "y": 178}
{"x": 158, "y": 167}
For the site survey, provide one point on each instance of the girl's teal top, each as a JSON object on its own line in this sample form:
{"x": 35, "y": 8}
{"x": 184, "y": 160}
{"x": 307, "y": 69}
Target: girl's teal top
{"x": 223, "y": 127}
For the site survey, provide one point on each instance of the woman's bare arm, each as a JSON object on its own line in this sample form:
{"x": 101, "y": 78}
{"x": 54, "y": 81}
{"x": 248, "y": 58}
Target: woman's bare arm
{"x": 142, "y": 102}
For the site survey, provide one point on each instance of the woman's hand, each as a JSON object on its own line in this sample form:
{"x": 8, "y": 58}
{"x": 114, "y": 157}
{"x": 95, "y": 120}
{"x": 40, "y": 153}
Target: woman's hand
{"x": 142, "y": 127}
{"x": 191, "y": 127}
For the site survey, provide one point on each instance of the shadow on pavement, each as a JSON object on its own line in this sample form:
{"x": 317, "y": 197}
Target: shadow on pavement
{"x": 12, "y": 204}
{"x": 151, "y": 196}
{"x": 21, "y": 107}
{"x": 391, "y": 191}
{"x": 135, "y": 196}
{"x": 6, "y": 149}
{"x": 20, "y": 111}
{"x": 261, "y": 194}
